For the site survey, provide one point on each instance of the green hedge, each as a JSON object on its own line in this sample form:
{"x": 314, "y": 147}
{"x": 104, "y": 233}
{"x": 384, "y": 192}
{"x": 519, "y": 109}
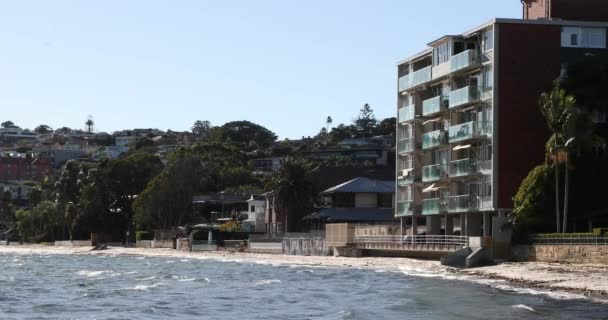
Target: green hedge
{"x": 565, "y": 235}
{"x": 144, "y": 235}
{"x": 600, "y": 231}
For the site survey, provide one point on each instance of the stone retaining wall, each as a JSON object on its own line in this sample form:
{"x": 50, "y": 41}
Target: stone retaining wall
{"x": 594, "y": 254}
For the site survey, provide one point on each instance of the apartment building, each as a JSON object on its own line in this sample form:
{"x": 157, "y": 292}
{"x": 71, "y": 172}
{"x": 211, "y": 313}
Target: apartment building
{"x": 469, "y": 126}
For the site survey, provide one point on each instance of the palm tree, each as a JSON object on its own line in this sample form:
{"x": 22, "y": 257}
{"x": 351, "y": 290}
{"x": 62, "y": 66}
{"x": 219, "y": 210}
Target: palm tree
{"x": 294, "y": 191}
{"x": 89, "y": 124}
{"x": 328, "y": 123}
{"x": 557, "y": 107}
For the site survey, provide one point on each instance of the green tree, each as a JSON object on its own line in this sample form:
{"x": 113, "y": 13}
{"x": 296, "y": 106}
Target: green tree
{"x": 7, "y": 212}
{"x": 7, "y": 124}
{"x": 201, "y": 128}
{"x": 294, "y": 191}
{"x": 366, "y": 122}
{"x": 89, "y": 124}
{"x": 557, "y": 108}
{"x": 42, "y": 129}
{"x": 167, "y": 199}
{"x": 244, "y": 134}
{"x": 37, "y": 223}
{"x": 532, "y": 203}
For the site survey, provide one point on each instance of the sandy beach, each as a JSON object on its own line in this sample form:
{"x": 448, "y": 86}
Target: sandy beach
{"x": 556, "y": 280}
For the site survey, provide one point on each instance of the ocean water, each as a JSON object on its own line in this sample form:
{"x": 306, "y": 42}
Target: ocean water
{"x": 35, "y": 286}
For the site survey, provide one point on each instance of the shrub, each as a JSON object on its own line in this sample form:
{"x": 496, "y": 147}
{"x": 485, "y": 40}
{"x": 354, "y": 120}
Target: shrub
{"x": 533, "y": 203}
{"x": 564, "y": 235}
{"x": 144, "y": 235}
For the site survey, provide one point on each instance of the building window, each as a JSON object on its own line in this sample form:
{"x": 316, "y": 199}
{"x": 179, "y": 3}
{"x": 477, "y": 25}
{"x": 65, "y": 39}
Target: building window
{"x": 488, "y": 77}
{"x": 578, "y": 37}
{"x": 252, "y": 209}
{"x": 442, "y": 54}
{"x": 385, "y": 200}
{"x": 488, "y": 40}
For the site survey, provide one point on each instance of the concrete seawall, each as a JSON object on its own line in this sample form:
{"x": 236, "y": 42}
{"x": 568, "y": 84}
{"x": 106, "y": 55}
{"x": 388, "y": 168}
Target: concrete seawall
{"x": 587, "y": 254}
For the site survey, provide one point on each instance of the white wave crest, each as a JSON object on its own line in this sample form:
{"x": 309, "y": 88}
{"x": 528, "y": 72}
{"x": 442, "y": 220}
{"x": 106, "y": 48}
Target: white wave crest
{"x": 524, "y": 307}
{"x": 142, "y": 287}
{"x": 266, "y": 282}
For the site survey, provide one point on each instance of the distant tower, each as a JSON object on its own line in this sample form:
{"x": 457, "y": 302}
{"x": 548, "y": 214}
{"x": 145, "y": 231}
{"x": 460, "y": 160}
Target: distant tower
{"x": 90, "y": 124}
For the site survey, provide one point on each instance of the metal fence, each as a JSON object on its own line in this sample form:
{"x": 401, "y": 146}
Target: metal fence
{"x": 440, "y": 240}
{"x": 572, "y": 240}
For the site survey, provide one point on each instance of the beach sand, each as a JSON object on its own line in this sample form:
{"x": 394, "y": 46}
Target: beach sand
{"x": 556, "y": 280}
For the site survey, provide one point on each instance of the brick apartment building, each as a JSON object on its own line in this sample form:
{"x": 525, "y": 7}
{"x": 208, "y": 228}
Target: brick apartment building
{"x": 22, "y": 167}
{"x": 469, "y": 126}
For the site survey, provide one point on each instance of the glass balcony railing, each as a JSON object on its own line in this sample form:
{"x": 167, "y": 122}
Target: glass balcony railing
{"x": 463, "y": 203}
{"x": 434, "y": 206}
{"x": 405, "y": 208}
{"x": 406, "y": 114}
{"x": 469, "y": 130}
{"x": 415, "y": 78}
{"x": 405, "y": 180}
{"x": 421, "y": 76}
{"x": 404, "y": 83}
{"x": 434, "y": 172}
{"x": 463, "y": 167}
{"x": 464, "y": 60}
{"x": 434, "y": 139}
{"x": 405, "y": 145}
{"x": 464, "y": 96}
{"x": 433, "y": 105}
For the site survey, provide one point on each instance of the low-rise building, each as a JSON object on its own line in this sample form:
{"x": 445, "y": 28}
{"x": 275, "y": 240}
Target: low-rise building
{"x": 361, "y": 200}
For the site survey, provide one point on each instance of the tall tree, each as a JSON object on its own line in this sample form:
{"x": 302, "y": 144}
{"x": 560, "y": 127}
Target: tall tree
{"x": 328, "y": 123}
{"x": 366, "y": 121}
{"x": 89, "y": 124}
{"x": 201, "y": 128}
{"x": 294, "y": 191}
{"x": 557, "y": 107}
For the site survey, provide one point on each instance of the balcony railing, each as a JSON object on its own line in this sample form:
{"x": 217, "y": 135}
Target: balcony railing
{"x": 405, "y": 145}
{"x": 434, "y": 172}
{"x": 434, "y": 206}
{"x": 433, "y": 105}
{"x": 415, "y": 78}
{"x": 464, "y": 96}
{"x": 405, "y": 180}
{"x": 407, "y": 113}
{"x": 464, "y": 203}
{"x": 464, "y": 167}
{"x": 469, "y": 130}
{"x": 434, "y": 139}
{"x": 405, "y": 208}
{"x": 464, "y": 60}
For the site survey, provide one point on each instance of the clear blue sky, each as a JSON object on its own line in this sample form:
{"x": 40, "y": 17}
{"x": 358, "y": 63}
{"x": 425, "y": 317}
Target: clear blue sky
{"x": 284, "y": 64}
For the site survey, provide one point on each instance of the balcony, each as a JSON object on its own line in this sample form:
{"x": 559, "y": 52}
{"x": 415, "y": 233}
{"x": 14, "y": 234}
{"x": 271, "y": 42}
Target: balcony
{"x": 464, "y": 60}
{"x": 415, "y": 78}
{"x": 464, "y": 96}
{"x": 464, "y": 167}
{"x": 405, "y": 208}
{"x": 433, "y": 105}
{"x": 434, "y": 206}
{"x": 405, "y": 180}
{"x": 469, "y": 130}
{"x": 406, "y": 114}
{"x": 464, "y": 203}
{"x": 434, "y": 172}
{"x": 434, "y": 139}
{"x": 405, "y": 145}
